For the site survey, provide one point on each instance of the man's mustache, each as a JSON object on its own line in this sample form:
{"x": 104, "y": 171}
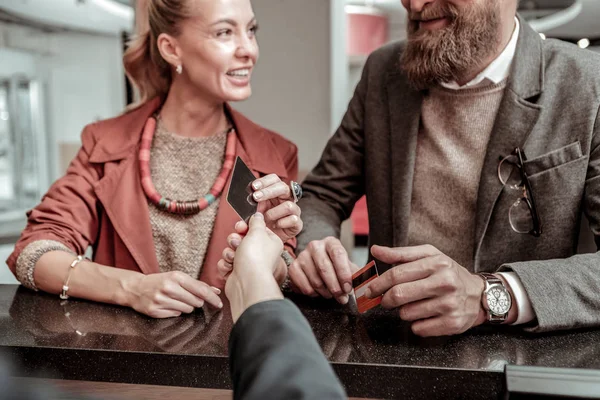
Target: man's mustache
{"x": 433, "y": 12}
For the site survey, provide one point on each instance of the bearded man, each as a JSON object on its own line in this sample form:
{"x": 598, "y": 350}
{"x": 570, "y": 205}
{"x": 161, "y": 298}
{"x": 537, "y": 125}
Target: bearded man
{"x": 477, "y": 144}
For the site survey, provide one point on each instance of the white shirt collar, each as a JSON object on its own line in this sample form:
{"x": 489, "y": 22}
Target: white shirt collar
{"x": 498, "y": 70}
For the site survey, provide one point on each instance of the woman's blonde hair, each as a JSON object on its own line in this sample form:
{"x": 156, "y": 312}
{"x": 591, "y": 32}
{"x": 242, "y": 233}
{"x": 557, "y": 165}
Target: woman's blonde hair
{"x": 149, "y": 73}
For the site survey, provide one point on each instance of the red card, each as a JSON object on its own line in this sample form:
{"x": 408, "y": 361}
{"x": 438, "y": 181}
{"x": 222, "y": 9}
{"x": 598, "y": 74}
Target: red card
{"x": 361, "y": 280}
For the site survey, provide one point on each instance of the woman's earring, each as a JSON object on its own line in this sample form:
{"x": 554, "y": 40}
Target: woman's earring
{"x": 179, "y": 69}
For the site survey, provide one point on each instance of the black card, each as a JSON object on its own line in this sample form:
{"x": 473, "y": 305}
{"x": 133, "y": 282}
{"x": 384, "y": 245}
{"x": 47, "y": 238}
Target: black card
{"x": 240, "y": 190}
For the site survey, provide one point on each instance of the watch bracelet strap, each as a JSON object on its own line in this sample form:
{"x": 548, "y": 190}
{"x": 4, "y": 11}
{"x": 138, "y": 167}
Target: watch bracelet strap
{"x": 288, "y": 259}
{"x": 491, "y": 279}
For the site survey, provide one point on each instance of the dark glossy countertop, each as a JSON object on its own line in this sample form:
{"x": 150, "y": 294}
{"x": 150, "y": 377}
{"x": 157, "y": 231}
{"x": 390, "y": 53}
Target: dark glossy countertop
{"x": 375, "y": 355}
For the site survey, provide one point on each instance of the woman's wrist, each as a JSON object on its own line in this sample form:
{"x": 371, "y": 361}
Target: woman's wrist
{"x": 127, "y": 288}
{"x": 281, "y": 272}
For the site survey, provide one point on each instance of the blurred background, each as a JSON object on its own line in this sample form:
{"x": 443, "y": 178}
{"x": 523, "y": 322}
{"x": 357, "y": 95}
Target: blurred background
{"x": 60, "y": 69}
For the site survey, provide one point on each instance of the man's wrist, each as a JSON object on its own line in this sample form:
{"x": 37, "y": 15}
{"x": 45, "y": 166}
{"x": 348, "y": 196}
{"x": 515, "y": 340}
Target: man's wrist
{"x": 513, "y": 312}
{"x": 482, "y": 315}
{"x": 512, "y": 315}
{"x": 245, "y": 290}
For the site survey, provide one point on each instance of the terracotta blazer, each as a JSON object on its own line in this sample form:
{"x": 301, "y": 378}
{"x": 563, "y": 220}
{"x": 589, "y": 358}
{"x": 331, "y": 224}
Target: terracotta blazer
{"x": 100, "y": 201}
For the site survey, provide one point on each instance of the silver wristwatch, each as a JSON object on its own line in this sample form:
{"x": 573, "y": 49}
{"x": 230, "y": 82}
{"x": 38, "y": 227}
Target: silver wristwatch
{"x": 495, "y": 299}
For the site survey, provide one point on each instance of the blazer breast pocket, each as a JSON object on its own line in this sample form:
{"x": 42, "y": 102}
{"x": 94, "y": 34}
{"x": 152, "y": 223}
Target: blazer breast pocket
{"x": 557, "y": 181}
{"x": 553, "y": 159}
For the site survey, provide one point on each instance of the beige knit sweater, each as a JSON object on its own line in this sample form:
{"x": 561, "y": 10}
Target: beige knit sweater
{"x": 182, "y": 169}
{"x": 454, "y": 133}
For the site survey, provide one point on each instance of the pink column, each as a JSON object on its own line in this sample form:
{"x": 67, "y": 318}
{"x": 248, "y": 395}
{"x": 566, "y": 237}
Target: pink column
{"x": 367, "y": 31}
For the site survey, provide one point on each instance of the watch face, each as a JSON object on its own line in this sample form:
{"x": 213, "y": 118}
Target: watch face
{"x": 498, "y": 300}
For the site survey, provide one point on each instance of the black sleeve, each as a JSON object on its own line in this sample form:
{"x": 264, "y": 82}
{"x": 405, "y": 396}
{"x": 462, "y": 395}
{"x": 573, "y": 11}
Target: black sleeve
{"x": 273, "y": 354}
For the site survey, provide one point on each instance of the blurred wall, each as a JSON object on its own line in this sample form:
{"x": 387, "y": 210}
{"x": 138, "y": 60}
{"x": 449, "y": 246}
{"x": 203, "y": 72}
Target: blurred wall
{"x": 300, "y": 82}
{"x": 82, "y": 77}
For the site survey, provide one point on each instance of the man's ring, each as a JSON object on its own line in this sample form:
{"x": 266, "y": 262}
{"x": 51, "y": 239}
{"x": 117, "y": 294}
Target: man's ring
{"x": 296, "y": 191}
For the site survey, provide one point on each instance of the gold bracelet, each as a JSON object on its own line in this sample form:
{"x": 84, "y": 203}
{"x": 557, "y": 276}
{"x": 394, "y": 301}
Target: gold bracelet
{"x": 63, "y": 295}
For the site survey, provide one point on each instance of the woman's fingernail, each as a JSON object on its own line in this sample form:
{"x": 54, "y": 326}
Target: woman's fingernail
{"x": 257, "y": 185}
{"x": 259, "y": 215}
{"x": 368, "y": 293}
{"x": 343, "y": 299}
{"x": 220, "y": 305}
{"x": 258, "y": 195}
{"x": 216, "y": 290}
{"x": 235, "y": 243}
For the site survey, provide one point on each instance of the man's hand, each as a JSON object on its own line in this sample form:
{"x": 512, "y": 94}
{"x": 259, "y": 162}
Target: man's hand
{"x": 323, "y": 268}
{"x": 430, "y": 289}
{"x": 256, "y": 259}
{"x": 225, "y": 264}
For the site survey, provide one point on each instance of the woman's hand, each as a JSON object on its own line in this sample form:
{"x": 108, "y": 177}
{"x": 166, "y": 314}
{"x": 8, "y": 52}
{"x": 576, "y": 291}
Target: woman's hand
{"x": 275, "y": 202}
{"x": 169, "y": 294}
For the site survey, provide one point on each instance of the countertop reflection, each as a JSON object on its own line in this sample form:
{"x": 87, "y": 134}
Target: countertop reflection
{"x": 380, "y": 339}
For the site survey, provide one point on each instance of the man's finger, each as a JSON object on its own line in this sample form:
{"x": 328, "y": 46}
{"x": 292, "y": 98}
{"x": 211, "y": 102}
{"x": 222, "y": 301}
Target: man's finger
{"x": 406, "y": 293}
{"x": 413, "y": 271}
{"x": 438, "y": 326}
{"x": 326, "y": 271}
{"x": 422, "y": 309}
{"x": 339, "y": 259}
{"x": 299, "y": 279}
{"x": 310, "y": 270}
{"x": 402, "y": 255}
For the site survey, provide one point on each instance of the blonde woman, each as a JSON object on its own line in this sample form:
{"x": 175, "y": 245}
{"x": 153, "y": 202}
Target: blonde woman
{"x": 145, "y": 190}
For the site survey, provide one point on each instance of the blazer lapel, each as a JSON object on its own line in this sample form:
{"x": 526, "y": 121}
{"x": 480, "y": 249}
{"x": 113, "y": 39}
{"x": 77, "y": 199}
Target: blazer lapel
{"x": 405, "y": 115}
{"x": 120, "y": 190}
{"x": 126, "y": 205}
{"x": 517, "y": 116}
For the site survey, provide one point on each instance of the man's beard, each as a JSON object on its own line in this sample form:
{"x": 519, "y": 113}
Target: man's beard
{"x": 447, "y": 54}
